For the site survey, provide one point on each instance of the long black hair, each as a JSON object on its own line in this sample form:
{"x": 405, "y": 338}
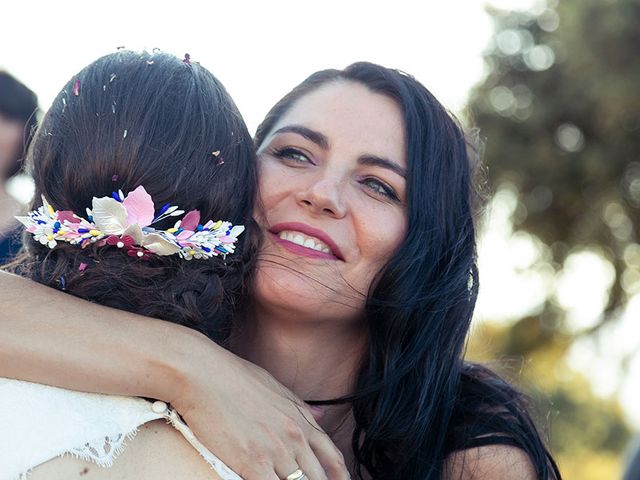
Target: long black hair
{"x": 134, "y": 119}
{"x": 416, "y": 401}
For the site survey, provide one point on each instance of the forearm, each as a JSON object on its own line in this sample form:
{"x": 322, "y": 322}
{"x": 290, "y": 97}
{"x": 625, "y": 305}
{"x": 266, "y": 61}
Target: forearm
{"x": 51, "y": 337}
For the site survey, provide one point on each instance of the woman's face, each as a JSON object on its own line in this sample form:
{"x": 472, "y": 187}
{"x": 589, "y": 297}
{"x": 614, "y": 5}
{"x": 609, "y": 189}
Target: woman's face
{"x": 332, "y": 195}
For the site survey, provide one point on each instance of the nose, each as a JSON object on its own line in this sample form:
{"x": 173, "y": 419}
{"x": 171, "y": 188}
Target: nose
{"x": 323, "y": 196}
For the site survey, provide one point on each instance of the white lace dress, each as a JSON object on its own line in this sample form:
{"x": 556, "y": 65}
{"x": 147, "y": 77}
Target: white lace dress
{"x": 47, "y": 422}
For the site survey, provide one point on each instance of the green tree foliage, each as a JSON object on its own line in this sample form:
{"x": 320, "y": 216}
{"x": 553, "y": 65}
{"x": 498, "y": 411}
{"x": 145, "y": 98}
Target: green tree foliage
{"x": 587, "y": 434}
{"x": 560, "y": 111}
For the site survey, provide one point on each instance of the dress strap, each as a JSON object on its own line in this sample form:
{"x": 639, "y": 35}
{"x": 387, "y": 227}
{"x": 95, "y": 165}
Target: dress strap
{"x": 172, "y": 416}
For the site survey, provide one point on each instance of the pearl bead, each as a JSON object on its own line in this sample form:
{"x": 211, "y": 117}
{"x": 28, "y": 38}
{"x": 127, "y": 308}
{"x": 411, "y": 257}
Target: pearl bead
{"x": 159, "y": 407}
{"x": 119, "y": 244}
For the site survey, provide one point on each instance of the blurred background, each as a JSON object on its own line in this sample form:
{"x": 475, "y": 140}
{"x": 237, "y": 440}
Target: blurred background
{"x": 554, "y": 88}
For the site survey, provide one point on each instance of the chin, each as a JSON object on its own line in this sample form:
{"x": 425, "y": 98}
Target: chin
{"x": 295, "y": 294}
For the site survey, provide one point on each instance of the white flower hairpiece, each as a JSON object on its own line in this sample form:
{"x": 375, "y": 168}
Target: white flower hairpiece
{"x": 125, "y": 222}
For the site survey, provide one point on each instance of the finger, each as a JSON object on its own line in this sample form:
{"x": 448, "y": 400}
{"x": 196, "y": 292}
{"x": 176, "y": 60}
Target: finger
{"x": 330, "y": 458}
{"x": 310, "y": 465}
{"x": 257, "y": 471}
{"x": 293, "y": 452}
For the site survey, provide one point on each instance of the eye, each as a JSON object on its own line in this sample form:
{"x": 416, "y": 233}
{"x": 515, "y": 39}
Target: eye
{"x": 292, "y": 155}
{"x": 380, "y": 188}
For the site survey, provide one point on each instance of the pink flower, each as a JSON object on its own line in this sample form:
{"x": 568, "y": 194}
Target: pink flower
{"x": 139, "y": 207}
{"x": 190, "y": 220}
{"x": 68, "y": 215}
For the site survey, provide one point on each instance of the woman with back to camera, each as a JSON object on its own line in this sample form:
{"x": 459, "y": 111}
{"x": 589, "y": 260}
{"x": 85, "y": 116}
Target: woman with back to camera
{"x": 367, "y": 170}
{"x": 158, "y": 129}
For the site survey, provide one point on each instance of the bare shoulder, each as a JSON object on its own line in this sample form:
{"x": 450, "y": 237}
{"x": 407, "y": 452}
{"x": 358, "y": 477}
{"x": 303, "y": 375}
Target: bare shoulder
{"x": 157, "y": 452}
{"x": 491, "y": 462}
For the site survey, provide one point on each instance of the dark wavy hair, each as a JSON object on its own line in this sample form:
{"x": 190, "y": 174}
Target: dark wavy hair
{"x": 416, "y": 400}
{"x": 131, "y": 119}
{"x": 18, "y": 103}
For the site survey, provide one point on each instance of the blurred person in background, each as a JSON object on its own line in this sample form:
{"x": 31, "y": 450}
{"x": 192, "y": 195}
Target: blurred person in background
{"x": 18, "y": 106}
{"x": 632, "y": 471}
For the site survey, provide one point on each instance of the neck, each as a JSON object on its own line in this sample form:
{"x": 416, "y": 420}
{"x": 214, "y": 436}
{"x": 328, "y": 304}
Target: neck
{"x": 315, "y": 360}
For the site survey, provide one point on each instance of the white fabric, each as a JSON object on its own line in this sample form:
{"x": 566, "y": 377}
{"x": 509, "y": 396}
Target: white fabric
{"x": 40, "y": 422}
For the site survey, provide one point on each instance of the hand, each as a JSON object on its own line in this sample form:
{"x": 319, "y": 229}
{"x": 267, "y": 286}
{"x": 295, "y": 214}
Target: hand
{"x": 254, "y": 424}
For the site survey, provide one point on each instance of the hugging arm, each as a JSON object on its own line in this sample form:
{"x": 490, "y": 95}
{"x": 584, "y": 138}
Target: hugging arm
{"x": 239, "y": 411}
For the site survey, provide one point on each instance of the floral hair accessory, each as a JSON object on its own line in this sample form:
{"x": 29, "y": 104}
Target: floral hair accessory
{"x": 125, "y": 222}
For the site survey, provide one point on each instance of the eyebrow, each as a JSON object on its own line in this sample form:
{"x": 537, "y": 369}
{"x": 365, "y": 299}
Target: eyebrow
{"x": 376, "y": 161}
{"x": 323, "y": 142}
{"x": 311, "y": 135}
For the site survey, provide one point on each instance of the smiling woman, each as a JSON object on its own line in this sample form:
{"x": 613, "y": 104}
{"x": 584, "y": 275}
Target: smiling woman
{"x": 368, "y": 159}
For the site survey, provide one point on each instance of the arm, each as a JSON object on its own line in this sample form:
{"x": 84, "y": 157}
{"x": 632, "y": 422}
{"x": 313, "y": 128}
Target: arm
{"x": 54, "y": 338}
{"x": 239, "y": 411}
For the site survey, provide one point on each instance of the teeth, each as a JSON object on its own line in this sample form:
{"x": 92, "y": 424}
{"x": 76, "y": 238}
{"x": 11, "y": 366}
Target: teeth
{"x": 303, "y": 240}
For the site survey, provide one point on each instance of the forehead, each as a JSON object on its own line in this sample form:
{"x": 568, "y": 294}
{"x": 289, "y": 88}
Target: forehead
{"x": 352, "y": 117}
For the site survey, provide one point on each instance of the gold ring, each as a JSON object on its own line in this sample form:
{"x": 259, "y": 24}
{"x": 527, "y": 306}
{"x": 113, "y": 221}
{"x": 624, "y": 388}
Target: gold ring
{"x": 297, "y": 475}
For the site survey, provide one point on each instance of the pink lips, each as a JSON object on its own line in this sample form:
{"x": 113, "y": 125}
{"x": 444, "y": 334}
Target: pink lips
{"x": 304, "y": 251}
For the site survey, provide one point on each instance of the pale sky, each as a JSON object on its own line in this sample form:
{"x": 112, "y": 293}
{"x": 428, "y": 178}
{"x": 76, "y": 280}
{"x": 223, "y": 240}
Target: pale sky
{"x": 261, "y": 49}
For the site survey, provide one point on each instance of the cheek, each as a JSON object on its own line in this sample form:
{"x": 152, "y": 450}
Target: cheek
{"x": 379, "y": 237}
{"x": 271, "y": 188}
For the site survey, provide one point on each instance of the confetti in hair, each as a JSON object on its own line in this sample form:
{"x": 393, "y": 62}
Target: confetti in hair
{"x": 82, "y": 267}
{"x": 216, "y": 153}
{"x": 76, "y": 88}
{"x": 187, "y": 59}
{"x": 220, "y": 161}
{"x": 124, "y": 135}
{"x": 114, "y": 178}
{"x": 112, "y": 77}
{"x": 149, "y": 62}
